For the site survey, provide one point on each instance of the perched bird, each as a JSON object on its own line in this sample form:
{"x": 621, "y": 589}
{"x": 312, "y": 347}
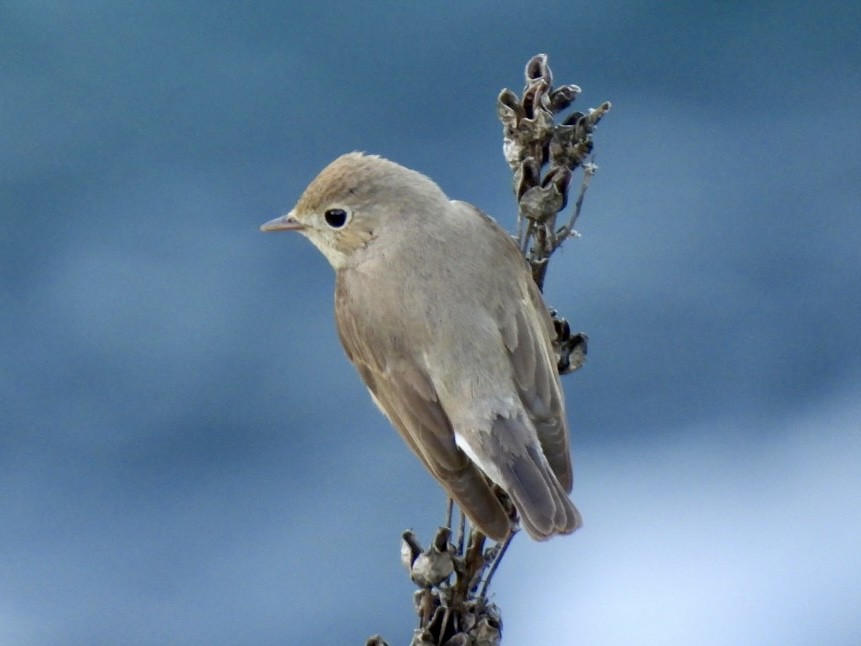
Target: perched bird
{"x": 437, "y": 309}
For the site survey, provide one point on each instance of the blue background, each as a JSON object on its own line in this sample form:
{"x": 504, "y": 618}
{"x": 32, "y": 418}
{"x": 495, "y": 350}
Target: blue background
{"x": 186, "y": 457}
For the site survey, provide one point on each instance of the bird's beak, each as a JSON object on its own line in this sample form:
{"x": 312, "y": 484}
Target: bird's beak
{"x": 284, "y": 223}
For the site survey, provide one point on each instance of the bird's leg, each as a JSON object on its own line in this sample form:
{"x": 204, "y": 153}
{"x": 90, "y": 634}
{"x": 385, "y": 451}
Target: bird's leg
{"x": 461, "y": 533}
{"x": 448, "y": 512}
{"x": 499, "y": 552}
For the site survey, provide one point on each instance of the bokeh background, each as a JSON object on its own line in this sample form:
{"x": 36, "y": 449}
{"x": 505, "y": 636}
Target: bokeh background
{"x": 186, "y": 456}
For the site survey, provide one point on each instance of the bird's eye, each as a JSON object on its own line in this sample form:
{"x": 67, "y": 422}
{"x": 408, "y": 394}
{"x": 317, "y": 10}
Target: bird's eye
{"x": 336, "y": 218}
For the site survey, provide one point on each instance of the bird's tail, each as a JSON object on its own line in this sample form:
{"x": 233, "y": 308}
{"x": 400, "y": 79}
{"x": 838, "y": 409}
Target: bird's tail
{"x": 542, "y": 503}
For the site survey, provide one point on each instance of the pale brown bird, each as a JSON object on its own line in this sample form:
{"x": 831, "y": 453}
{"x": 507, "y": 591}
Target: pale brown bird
{"x": 437, "y": 309}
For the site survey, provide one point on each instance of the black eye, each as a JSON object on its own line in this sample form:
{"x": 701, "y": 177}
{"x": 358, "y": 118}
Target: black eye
{"x": 335, "y": 218}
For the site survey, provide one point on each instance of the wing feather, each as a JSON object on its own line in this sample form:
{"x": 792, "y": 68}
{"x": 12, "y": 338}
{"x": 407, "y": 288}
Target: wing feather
{"x": 528, "y": 336}
{"x": 402, "y": 390}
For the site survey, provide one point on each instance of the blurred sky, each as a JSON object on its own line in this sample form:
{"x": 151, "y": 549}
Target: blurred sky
{"x": 187, "y": 457}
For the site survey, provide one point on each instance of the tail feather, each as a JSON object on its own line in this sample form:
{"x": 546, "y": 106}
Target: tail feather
{"x": 470, "y": 489}
{"x": 541, "y": 501}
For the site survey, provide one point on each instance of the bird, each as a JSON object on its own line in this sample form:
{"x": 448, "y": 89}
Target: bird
{"x": 437, "y": 310}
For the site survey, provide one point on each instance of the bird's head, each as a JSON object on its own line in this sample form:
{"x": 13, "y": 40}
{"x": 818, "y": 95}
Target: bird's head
{"x": 353, "y": 201}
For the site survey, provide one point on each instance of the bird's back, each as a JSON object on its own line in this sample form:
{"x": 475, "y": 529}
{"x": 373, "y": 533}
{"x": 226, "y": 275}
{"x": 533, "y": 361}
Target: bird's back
{"x": 463, "y": 286}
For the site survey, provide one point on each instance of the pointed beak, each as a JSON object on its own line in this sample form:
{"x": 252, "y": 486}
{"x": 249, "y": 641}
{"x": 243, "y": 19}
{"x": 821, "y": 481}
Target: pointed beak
{"x": 284, "y": 223}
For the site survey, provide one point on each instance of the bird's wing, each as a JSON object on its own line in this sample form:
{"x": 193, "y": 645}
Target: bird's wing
{"x": 527, "y": 332}
{"x": 537, "y": 378}
{"x": 402, "y": 390}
